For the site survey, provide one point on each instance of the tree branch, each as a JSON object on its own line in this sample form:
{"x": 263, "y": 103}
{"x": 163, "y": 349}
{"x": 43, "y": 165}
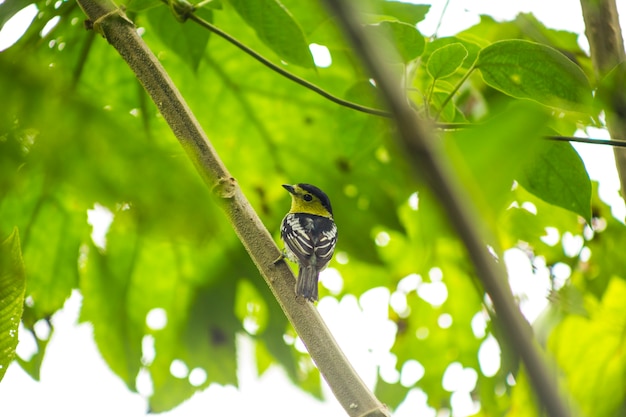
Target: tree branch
{"x": 606, "y": 44}
{"x": 120, "y": 32}
{"x": 186, "y": 11}
{"x": 429, "y": 163}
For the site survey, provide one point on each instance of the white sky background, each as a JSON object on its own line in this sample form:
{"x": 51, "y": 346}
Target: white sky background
{"x": 76, "y": 382}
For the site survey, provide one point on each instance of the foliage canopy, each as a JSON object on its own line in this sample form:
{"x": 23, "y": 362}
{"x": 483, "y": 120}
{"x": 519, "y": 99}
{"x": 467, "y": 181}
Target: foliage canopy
{"x": 77, "y": 131}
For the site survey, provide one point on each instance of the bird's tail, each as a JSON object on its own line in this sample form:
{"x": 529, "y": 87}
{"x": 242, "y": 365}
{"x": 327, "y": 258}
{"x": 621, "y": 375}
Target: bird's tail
{"x": 306, "y": 286}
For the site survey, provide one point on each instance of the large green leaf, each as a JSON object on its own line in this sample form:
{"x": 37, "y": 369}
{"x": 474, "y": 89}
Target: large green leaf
{"x": 51, "y": 248}
{"x": 557, "y": 175}
{"x": 534, "y": 71}
{"x": 9, "y": 8}
{"x": 602, "y": 334}
{"x": 12, "y": 285}
{"x": 403, "y": 11}
{"x": 138, "y": 272}
{"x": 503, "y": 144}
{"x": 407, "y": 41}
{"x": 277, "y": 28}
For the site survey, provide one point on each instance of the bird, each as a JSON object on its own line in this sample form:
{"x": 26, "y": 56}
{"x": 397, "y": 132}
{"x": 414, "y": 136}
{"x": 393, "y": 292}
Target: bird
{"x": 309, "y": 234}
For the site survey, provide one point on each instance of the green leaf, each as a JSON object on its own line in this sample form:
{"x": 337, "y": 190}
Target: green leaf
{"x": 187, "y": 40}
{"x": 108, "y": 304}
{"x": 502, "y": 144}
{"x": 534, "y": 71}
{"x": 444, "y": 61}
{"x": 604, "y": 370}
{"x": 404, "y": 12}
{"x": 277, "y": 28}
{"x": 10, "y": 8}
{"x": 558, "y": 176}
{"x": 404, "y": 38}
{"x": 51, "y": 247}
{"x": 12, "y": 286}
{"x": 32, "y": 365}
{"x": 390, "y": 394}
{"x": 140, "y": 5}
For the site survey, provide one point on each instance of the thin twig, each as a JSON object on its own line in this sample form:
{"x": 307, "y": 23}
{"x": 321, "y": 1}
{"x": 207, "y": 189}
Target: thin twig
{"x": 607, "y": 142}
{"x": 617, "y": 143}
{"x": 443, "y": 13}
{"x": 430, "y": 164}
{"x": 453, "y": 92}
{"x": 269, "y": 64}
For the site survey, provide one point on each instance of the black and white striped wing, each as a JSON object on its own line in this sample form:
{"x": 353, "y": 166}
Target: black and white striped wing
{"x": 325, "y": 245}
{"x": 298, "y": 242}
{"x": 305, "y": 236}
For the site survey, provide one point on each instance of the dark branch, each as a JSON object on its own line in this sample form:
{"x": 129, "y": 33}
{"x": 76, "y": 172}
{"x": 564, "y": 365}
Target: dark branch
{"x": 431, "y": 165}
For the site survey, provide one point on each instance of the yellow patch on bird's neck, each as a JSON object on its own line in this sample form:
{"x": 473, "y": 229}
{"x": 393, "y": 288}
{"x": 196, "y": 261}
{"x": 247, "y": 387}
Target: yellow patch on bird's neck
{"x": 298, "y": 205}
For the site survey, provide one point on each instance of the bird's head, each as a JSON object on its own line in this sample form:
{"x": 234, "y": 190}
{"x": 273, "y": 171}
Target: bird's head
{"x": 307, "y": 198}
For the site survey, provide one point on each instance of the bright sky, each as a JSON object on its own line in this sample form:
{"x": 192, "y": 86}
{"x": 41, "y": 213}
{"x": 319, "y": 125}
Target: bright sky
{"x": 76, "y": 382}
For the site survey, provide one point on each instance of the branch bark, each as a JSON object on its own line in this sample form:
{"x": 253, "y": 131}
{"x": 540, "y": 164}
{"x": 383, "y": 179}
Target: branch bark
{"x": 120, "y": 32}
{"x": 606, "y": 44}
{"x": 430, "y": 164}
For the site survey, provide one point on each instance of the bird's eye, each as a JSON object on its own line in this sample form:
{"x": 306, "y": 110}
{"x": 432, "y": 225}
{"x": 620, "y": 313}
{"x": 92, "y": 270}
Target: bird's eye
{"x": 307, "y": 197}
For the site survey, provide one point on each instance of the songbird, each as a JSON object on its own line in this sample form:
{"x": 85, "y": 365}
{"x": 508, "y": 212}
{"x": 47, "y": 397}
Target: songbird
{"x": 310, "y": 234}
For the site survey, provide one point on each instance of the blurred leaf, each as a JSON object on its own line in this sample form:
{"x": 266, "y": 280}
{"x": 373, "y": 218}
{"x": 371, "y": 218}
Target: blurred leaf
{"x": 424, "y": 339}
{"x": 610, "y": 96}
{"x": 523, "y": 399}
{"x": 32, "y": 365}
{"x": 51, "y": 247}
{"x": 12, "y": 284}
{"x": 139, "y": 272}
{"x": 501, "y": 145}
{"x": 558, "y": 176}
{"x": 404, "y": 38}
{"x": 390, "y": 394}
{"x": 405, "y": 12}
{"x": 444, "y": 61}
{"x": 363, "y": 93}
{"x": 9, "y": 8}
{"x": 141, "y": 5}
{"x": 601, "y": 334}
{"x": 108, "y": 304}
{"x": 525, "y": 69}
{"x": 188, "y": 40}
{"x": 277, "y": 28}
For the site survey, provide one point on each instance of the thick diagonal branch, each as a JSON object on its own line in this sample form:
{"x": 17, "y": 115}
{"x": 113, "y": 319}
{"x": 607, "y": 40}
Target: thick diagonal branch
{"x": 430, "y": 164}
{"x": 351, "y": 392}
{"x": 606, "y": 45}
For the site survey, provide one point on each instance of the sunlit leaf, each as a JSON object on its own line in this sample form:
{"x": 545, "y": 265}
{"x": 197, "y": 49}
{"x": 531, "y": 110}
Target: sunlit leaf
{"x": 602, "y": 334}
{"x": 530, "y": 70}
{"x": 9, "y": 8}
{"x": 277, "y": 28}
{"x": 503, "y": 145}
{"x": 12, "y": 284}
{"x": 557, "y": 175}
{"x": 404, "y": 38}
{"x": 405, "y": 12}
{"x": 444, "y": 61}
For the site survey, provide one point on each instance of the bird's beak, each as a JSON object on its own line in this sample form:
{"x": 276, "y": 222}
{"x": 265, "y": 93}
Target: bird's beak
{"x": 289, "y": 188}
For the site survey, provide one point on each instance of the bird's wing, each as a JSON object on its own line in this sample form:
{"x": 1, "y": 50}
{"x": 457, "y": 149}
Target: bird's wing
{"x": 296, "y": 234}
{"x": 325, "y": 244}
